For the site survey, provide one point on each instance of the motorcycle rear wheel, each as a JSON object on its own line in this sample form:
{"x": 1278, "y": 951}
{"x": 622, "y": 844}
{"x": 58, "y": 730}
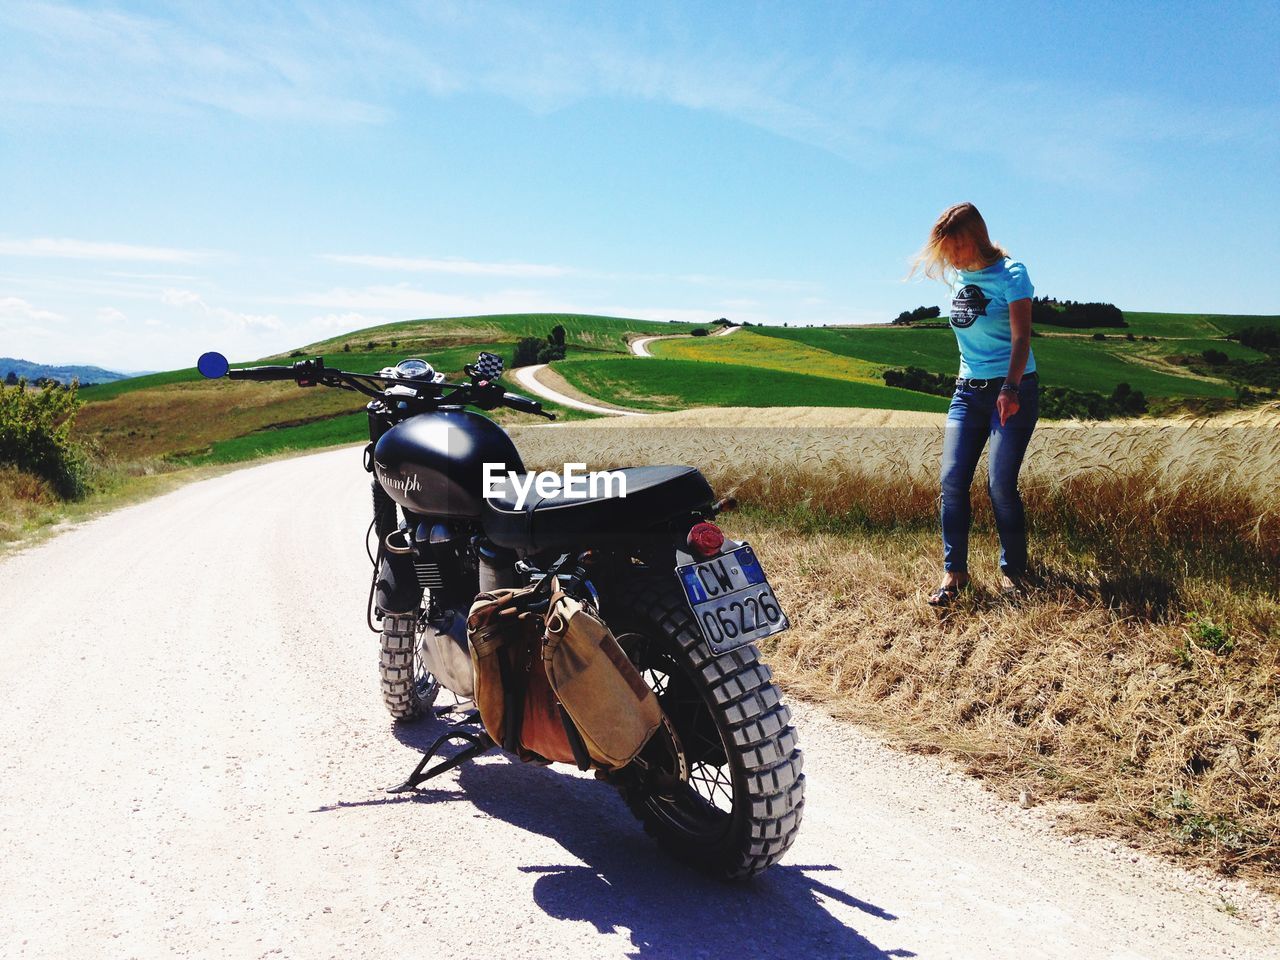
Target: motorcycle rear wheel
{"x": 741, "y": 807}
{"x": 408, "y": 689}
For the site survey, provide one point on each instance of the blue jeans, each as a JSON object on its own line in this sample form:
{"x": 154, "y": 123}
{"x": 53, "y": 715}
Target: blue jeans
{"x": 971, "y": 422}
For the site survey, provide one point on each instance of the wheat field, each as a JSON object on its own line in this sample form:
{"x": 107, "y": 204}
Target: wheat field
{"x": 1136, "y": 686}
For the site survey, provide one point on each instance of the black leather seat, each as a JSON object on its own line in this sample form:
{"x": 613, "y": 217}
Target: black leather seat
{"x": 654, "y": 496}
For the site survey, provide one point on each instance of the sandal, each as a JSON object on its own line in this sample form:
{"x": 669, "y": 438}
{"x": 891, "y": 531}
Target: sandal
{"x": 944, "y": 596}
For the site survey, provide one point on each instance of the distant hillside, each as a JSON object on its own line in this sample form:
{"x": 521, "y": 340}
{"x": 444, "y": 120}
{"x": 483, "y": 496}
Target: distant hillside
{"x": 61, "y": 373}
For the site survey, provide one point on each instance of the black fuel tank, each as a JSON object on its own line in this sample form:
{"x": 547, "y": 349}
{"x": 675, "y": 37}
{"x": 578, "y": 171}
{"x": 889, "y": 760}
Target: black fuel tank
{"x": 434, "y": 463}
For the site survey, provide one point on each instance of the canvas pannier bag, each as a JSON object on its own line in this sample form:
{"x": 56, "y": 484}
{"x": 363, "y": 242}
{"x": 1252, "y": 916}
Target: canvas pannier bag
{"x": 614, "y": 710}
{"x": 517, "y": 706}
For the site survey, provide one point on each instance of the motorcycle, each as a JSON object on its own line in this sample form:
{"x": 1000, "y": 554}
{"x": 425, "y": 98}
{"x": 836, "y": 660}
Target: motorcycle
{"x": 685, "y": 603}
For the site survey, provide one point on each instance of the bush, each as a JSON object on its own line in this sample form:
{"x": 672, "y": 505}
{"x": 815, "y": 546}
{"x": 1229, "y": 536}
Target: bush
{"x": 549, "y": 352}
{"x": 1215, "y": 357}
{"x": 527, "y": 350}
{"x": 907, "y": 317}
{"x": 1071, "y": 313}
{"x": 1056, "y": 403}
{"x": 35, "y": 436}
{"x": 698, "y": 332}
{"x": 1263, "y": 339}
{"x": 1099, "y": 336}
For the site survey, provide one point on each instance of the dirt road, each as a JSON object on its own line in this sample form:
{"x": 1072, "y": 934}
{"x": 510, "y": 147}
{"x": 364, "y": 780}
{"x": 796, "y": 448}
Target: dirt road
{"x": 527, "y": 378}
{"x": 640, "y": 345}
{"x": 194, "y": 752}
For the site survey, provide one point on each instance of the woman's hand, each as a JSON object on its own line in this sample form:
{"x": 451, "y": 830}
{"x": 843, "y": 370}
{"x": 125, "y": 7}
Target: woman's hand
{"x": 1007, "y": 405}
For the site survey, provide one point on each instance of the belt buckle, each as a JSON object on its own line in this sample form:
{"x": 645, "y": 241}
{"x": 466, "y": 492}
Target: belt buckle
{"x": 978, "y": 384}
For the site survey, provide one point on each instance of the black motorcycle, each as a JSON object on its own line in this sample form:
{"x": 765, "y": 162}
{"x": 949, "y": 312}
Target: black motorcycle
{"x": 456, "y": 514}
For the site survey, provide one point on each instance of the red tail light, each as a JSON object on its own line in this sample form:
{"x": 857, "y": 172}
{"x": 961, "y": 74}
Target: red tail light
{"x": 705, "y": 539}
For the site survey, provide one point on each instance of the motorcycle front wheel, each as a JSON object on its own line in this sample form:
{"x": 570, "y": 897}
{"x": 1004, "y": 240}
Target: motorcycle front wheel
{"x": 408, "y": 688}
{"x": 740, "y": 808}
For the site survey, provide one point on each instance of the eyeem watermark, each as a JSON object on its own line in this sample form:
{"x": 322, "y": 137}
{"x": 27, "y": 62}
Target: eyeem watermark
{"x": 575, "y": 483}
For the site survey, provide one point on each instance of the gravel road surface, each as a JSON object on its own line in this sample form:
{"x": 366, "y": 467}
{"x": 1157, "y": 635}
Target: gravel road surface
{"x": 194, "y": 752}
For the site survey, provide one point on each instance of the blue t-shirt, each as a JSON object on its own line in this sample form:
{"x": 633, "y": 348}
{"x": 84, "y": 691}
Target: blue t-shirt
{"x": 980, "y": 317}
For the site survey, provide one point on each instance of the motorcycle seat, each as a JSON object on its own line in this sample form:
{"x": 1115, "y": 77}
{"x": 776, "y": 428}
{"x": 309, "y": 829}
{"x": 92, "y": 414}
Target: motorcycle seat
{"x": 654, "y": 495}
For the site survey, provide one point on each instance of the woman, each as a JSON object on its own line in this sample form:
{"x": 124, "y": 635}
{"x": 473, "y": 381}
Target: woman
{"x": 996, "y": 397}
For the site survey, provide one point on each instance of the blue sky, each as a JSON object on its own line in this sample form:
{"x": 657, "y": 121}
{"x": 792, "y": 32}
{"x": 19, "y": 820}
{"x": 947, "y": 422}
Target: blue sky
{"x": 179, "y": 177}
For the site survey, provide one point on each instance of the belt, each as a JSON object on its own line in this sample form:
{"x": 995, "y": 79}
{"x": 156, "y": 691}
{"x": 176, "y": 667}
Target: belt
{"x": 975, "y": 384}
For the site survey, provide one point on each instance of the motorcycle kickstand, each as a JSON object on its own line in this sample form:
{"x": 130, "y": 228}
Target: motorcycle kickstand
{"x": 479, "y": 743}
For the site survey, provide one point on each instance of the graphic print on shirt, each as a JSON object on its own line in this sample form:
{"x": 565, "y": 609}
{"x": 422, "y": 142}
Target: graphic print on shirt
{"x": 968, "y": 305}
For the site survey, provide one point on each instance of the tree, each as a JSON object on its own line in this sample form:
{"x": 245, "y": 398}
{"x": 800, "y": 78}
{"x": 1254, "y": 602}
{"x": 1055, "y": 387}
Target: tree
{"x": 907, "y": 317}
{"x": 1215, "y": 357}
{"x": 556, "y": 335}
{"x": 550, "y": 351}
{"x": 527, "y": 350}
{"x": 11, "y": 380}
{"x": 35, "y": 435}
{"x": 698, "y": 332}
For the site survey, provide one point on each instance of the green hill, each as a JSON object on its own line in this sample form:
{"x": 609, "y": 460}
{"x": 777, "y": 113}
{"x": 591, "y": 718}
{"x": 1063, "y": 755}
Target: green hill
{"x": 62, "y": 372}
{"x": 179, "y": 417}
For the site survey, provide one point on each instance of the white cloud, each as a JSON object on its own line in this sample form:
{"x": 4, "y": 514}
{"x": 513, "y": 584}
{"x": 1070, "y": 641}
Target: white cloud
{"x": 408, "y": 301}
{"x": 111, "y": 315}
{"x": 64, "y": 248}
{"x": 17, "y": 313}
{"x": 236, "y": 318}
{"x": 450, "y": 265}
{"x": 347, "y": 321}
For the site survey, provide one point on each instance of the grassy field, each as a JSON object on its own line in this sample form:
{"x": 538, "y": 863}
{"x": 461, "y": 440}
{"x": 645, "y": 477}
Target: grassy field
{"x": 1076, "y": 361}
{"x": 749, "y": 348}
{"x": 584, "y": 331}
{"x": 1193, "y": 324}
{"x": 1138, "y": 680}
{"x": 660, "y": 384}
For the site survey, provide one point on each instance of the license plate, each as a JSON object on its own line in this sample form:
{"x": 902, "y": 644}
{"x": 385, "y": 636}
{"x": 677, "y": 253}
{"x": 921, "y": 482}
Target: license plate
{"x": 731, "y": 599}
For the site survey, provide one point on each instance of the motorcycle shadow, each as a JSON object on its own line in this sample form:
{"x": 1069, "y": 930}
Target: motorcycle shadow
{"x": 619, "y": 881}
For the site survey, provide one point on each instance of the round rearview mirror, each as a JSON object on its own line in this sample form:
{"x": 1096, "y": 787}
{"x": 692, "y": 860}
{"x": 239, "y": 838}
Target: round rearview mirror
{"x": 212, "y": 365}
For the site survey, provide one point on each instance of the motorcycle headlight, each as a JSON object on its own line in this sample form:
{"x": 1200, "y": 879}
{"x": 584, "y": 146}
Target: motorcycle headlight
{"x": 415, "y": 369}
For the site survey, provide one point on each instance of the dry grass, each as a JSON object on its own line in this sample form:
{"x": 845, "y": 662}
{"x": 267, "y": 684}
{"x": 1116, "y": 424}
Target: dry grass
{"x": 186, "y": 418}
{"x": 1140, "y": 679}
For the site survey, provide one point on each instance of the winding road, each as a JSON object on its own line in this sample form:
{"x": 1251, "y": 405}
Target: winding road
{"x": 194, "y": 753}
{"x": 527, "y": 377}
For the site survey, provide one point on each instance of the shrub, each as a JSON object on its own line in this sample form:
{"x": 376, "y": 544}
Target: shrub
{"x": 35, "y": 436}
{"x": 1099, "y": 336}
{"x": 1215, "y": 356}
{"x": 1263, "y": 339}
{"x": 1071, "y": 313}
{"x": 919, "y": 313}
{"x": 550, "y": 351}
{"x": 527, "y": 350}
{"x": 698, "y": 332}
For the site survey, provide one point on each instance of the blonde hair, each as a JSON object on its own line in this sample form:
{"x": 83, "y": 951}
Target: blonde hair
{"x": 961, "y": 221}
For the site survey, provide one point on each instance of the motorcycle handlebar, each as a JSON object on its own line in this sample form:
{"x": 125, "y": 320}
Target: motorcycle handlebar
{"x": 525, "y": 405}
{"x": 263, "y": 373}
